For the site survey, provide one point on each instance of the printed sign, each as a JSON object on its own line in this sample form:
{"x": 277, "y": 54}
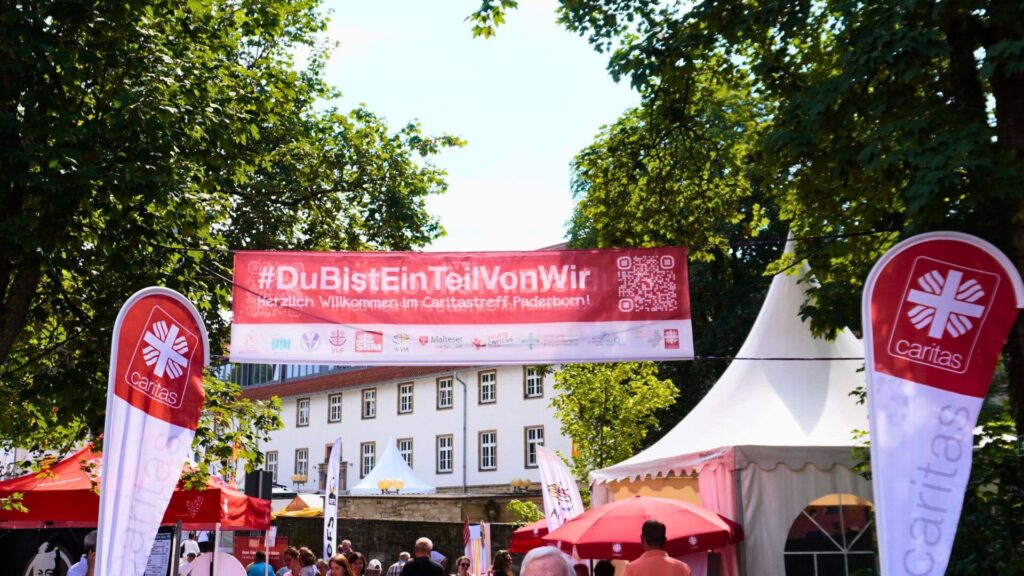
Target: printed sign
{"x": 562, "y": 501}
{"x": 937, "y": 311}
{"x": 460, "y": 308}
{"x": 154, "y": 399}
{"x": 331, "y": 500}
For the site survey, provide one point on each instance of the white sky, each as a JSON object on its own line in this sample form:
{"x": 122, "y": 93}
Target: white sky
{"x": 526, "y": 101}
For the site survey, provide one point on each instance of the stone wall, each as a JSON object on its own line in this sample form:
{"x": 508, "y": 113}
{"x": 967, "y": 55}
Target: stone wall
{"x": 455, "y": 508}
{"x": 384, "y": 539}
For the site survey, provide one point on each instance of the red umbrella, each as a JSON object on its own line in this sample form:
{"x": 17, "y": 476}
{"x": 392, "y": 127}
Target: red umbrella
{"x": 66, "y": 497}
{"x": 613, "y": 530}
{"x": 528, "y": 537}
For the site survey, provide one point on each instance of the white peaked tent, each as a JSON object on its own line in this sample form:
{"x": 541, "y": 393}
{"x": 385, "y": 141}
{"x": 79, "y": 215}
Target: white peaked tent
{"x": 392, "y": 466}
{"x": 770, "y": 437}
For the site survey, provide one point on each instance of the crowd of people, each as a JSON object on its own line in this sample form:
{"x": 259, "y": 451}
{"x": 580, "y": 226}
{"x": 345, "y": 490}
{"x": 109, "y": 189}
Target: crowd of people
{"x": 425, "y": 561}
{"x": 543, "y": 561}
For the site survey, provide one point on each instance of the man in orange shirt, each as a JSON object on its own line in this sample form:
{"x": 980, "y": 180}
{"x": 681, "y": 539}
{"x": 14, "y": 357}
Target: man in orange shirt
{"x": 655, "y": 561}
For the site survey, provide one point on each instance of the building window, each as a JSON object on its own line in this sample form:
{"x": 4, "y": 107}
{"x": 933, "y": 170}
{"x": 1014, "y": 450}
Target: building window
{"x": 534, "y": 438}
{"x": 445, "y": 393}
{"x": 302, "y": 462}
{"x": 369, "y": 403}
{"x": 489, "y": 450}
{"x": 270, "y": 464}
{"x": 302, "y": 412}
{"x": 487, "y": 386}
{"x": 533, "y": 382}
{"x": 834, "y": 534}
{"x": 405, "y": 449}
{"x": 405, "y": 398}
{"x": 334, "y": 408}
{"x": 369, "y": 452}
{"x": 445, "y": 463}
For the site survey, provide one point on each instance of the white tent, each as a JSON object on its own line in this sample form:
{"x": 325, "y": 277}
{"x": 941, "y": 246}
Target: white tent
{"x": 770, "y": 437}
{"x": 392, "y": 466}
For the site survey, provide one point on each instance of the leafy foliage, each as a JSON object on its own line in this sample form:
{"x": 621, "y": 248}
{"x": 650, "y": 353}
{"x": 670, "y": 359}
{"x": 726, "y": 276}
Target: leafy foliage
{"x": 644, "y": 183}
{"x": 230, "y": 429}
{"x": 607, "y": 410}
{"x": 872, "y": 121}
{"x": 131, "y": 130}
{"x": 990, "y": 537}
{"x": 524, "y": 511}
{"x": 490, "y": 15}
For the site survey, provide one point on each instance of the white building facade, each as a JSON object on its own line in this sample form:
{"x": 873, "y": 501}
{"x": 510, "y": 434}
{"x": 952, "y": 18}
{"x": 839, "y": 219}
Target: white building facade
{"x": 473, "y": 428}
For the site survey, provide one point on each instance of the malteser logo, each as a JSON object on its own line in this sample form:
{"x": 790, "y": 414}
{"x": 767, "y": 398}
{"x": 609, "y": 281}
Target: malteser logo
{"x": 161, "y": 359}
{"x": 941, "y": 314}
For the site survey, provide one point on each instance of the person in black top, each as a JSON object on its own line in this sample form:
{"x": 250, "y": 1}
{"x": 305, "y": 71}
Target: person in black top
{"x": 422, "y": 565}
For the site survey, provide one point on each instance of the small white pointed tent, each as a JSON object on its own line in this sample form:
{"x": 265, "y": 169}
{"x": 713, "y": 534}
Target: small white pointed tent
{"x": 392, "y": 466}
{"x": 770, "y": 437}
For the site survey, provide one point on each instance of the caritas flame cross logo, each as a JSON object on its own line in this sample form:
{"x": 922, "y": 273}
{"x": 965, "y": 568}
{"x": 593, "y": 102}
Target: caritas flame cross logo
{"x": 945, "y": 304}
{"x": 166, "y": 350}
{"x": 942, "y": 309}
{"x": 160, "y": 361}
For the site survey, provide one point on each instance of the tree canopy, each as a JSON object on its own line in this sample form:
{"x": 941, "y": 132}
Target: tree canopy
{"x": 608, "y": 409}
{"x": 141, "y": 141}
{"x": 872, "y": 121}
{"x": 863, "y": 123}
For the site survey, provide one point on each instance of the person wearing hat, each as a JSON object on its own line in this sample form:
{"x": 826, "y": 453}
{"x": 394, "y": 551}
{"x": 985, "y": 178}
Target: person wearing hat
{"x": 374, "y": 568}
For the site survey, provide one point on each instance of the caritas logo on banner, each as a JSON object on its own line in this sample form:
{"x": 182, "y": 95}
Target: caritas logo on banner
{"x": 461, "y": 308}
{"x": 937, "y": 311}
{"x": 154, "y": 400}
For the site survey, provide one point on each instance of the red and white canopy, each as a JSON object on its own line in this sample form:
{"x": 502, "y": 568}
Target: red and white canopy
{"x": 66, "y": 496}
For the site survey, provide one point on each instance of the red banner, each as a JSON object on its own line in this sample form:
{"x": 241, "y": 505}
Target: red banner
{"x": 937, "y": 311}
{"x": 443, "y": 308}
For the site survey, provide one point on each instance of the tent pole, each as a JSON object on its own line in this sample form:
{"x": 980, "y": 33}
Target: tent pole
{"x": 740, "y": 546}
{"x": 175, "y": 544}
{"x": 213, "y": 559}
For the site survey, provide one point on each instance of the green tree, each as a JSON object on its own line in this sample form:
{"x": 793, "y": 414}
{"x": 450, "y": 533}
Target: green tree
{"x": 894, "y": 117}
{"x": 645, "y": 183}
{"x": 524, "y": 511}
{"x": 990, "y": 535}
{"x": 608, "y": 409}
{"x": 877, "y": 121}
{"x": 138, "y": 142}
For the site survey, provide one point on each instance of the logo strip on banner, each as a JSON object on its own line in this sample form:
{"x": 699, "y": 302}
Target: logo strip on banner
{"x": 372, "y": 308}
{"x": 331, "y": 500}
{"x": 937, "y": 311}
{"x": 154, "y": 400}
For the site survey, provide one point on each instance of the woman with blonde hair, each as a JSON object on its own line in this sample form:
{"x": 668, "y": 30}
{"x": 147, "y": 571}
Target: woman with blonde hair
{"x": 462, "y": 564}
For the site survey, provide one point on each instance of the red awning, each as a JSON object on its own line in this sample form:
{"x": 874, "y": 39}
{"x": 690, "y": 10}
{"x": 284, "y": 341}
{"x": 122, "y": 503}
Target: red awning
{"x": 66, "y": 496}
{"x": 528, "y": 537}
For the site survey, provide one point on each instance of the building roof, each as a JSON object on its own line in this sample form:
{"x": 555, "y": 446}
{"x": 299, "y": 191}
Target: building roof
{"x": 781, "y": 391}
{"x": 344, "y": 379}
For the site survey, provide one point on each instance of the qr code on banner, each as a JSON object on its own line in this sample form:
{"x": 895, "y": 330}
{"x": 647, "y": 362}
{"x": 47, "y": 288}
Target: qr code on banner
{"x": 647, "y": 283}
